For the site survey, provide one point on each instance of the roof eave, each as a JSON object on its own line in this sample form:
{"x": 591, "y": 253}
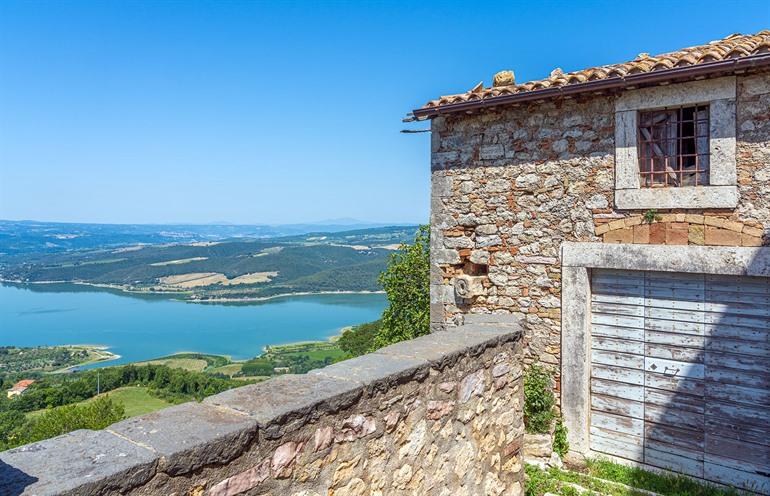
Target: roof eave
{"x": 710, "y": 69}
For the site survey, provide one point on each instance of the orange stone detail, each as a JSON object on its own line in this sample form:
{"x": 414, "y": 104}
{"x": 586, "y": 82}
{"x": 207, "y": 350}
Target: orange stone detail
{"x": 625, "y": 235}
{"x": 642, "y": 234}
{"x": 657, "y": 234}
{"x": 748, "y": 240}
{"x": 722, "y": 237}
{"x": 677, "y": 233}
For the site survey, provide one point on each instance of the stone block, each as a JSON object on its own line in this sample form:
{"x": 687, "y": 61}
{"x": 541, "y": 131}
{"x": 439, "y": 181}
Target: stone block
{"x": 753, "y": 231}
{"x": 677, "y": 233}
{"x": 696, "y": 234}
{"x": 642, "y": 234}
{"x": 273, "y": 400}
{"x": 376, "y": 371}
{"x": 87, "y": 463}
{"x": 721, "y": 237}
{"x": 714, "y": 221}
{"x": 733, "y": 226}
{"x": 537, "y": 446}
{"x": 479, "y": 257}
{"x": 597, "y": 201}
{"x": 748, "y": 240}
{"x": 690, "y": 197}
{"x": 441, "y": 184}
{"x": 625, "y": 235}
{"x": 190, "y": 436}
{"x": 601, "y": 229}
{"x": 442, "y": 348}
{"x": 617, "y": 224}
{"x": 694, "y": 218}
{"x": 444, "y": 256}
{"x": 657, "y": 233}
{"x": 633, "y": 221}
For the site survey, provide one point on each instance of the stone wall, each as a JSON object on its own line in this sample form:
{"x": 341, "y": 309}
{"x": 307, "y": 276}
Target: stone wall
{"x": 511, "y": 184}
{"x": 438, "y": 415}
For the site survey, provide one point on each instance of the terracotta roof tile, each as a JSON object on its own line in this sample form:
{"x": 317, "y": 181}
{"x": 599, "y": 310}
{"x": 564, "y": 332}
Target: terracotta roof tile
{"x": 731, "y": 47}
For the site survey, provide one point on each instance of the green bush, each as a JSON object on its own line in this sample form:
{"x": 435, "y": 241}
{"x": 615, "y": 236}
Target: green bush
{"x": 539, "y": 400}
{"x": 407, "y": 283}
{"x": 359, "y": 340}
{"x": 95, "y": 415}
{"x": 560, "y": 444}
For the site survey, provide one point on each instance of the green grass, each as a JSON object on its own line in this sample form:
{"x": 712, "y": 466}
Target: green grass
{"x": 137, "y": 400}
{"x": 667, "y": 484}
{"x": 320, "y": 354}
{"x": 558, "y": 481}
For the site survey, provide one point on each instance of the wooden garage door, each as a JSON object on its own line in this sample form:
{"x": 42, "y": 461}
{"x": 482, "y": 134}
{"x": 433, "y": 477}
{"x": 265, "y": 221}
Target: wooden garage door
{"x": 680, "y": 373}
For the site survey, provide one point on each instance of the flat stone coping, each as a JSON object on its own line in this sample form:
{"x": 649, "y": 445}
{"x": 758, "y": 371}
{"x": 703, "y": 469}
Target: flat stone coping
{"x": 184, "y": 438}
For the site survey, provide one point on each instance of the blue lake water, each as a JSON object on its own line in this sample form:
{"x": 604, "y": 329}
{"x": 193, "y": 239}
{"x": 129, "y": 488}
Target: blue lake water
{"x": 140, "y": 328}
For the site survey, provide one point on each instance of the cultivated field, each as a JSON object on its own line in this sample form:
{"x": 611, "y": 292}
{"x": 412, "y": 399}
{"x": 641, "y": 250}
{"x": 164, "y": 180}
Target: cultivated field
{"x": 179, "y": 262}
{"x": 202, "y": 279}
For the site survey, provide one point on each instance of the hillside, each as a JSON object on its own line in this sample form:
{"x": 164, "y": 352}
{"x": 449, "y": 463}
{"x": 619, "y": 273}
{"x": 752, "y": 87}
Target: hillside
{"x": 235, "y": 269}
{"x": 26, "y": 236}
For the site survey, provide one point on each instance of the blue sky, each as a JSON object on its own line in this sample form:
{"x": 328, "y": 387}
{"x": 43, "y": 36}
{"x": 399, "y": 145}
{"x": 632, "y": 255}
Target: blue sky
{"x": 251, "y": 112}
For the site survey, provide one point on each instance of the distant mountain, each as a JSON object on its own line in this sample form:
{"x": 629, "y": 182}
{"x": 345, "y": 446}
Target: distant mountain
{"x": 29, "y": 236}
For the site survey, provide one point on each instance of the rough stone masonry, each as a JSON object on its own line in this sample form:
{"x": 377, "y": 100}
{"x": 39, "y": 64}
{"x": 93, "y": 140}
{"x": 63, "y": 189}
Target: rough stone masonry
{"x": 438, "y": 415}
{"x": 512, "y": 183}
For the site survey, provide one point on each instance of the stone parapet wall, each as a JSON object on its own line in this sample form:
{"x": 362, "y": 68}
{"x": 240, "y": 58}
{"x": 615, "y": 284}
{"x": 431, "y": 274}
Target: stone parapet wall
{"x": 438, "y": 415}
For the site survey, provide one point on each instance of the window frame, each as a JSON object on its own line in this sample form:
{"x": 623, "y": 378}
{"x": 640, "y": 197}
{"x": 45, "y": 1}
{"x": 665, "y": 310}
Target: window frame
{"x": 722, "y": 191}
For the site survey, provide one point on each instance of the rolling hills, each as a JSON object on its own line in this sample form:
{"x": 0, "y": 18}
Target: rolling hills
{"x": 223, "y": 270}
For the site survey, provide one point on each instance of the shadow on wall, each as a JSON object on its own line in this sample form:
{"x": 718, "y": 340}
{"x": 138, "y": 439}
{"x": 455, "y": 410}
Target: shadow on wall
{"x": 13, "y": 481}
{"x": 681, "y": 372}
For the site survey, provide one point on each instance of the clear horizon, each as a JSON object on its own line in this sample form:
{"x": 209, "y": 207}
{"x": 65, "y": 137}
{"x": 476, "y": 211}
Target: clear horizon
{"x": 323, "y": 222}
{"x": 275, "y": 113}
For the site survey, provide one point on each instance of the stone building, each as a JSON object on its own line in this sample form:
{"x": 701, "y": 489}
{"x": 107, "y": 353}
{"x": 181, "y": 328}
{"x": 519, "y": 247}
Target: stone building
{"x": 622, "y": 213}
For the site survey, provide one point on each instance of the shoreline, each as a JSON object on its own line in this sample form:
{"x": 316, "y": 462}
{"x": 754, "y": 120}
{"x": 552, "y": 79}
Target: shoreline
{"x": 281, "y": 295}
{"x": 173, "y": 295}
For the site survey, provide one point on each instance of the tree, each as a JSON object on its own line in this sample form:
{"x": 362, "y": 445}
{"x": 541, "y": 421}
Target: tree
{"x": 406, "y": 281}
{"x": 360, "y": 339}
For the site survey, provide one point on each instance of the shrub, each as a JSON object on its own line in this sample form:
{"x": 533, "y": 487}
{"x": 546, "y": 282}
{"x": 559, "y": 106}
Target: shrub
{"x": 560, "y": 444}
{"x": 406, "y": 281}
{"x": 539, "y": 400}
{"x": 96, "y": 414}
{"x": 360, "y": 339}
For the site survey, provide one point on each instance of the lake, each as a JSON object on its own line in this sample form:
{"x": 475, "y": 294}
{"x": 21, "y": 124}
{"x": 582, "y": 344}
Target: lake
{"x": 143, "y": 327}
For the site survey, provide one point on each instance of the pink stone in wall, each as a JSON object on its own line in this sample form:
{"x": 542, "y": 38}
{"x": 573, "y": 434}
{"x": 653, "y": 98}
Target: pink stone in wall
{"x": 242, "y": 482}
{"x": 323, "y": 438}
{"x": 391, "y": 420}
{"x": 283, "y": 458}
{"x": 471, "y": 385}
{"x": 355, "y": 427}
{"x": 438, "y": 409}
{"x": 447, "y": 387}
